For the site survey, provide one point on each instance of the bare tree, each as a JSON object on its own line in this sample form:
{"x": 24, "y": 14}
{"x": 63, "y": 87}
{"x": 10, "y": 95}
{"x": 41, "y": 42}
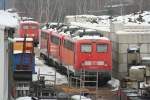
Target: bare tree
{"x": 55, "y": 10}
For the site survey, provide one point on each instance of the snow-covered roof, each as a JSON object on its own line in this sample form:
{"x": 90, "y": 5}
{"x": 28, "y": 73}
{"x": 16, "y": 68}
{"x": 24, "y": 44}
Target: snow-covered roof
{"x": 146, "y": 58}
{"x": 131, "y": 22}
{"x": 20, "y": 51}
{"x": 138, "y": 67}
{"x": 22, "y": 39}
{"x": 8, "y": 19}
{"x": 90, "y": 37}
{"x": 133, "y": 32}
{"x": 34, "y": 22}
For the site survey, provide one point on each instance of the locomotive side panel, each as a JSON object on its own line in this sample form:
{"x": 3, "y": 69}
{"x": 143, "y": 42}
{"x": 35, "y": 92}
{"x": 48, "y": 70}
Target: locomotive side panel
{"x": 54, "y": 47}
{"x": 44, "y": 42}
{"x": 68, "y": 55}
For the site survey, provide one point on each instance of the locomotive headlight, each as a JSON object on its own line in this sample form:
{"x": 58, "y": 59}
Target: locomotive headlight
{"x": 94, "y": 63}
{"x": 105, "y": 64}
{"x": 86, "y": 63}
{"x": 32, "y": 34}
{"x": 100, "y": 63}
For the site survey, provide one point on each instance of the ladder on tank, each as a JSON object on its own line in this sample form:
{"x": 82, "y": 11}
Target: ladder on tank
{"x": 84, "y": 81}
{"x": 79, "y": 83}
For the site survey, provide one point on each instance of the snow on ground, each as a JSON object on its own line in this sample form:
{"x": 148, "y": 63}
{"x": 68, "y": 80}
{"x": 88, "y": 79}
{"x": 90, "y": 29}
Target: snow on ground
{"x": 133, "y": 18}
{"x": 102, "y": 27}
{"x": 144, "y": 85}
{"x": 24, "y": 98}
{"x": 115, "y": 83}
{"x": 8, "y": 19}
{"x": 41, "y": 68}
{"x": 78, "y": 97}
{"x": 103, "y": 23}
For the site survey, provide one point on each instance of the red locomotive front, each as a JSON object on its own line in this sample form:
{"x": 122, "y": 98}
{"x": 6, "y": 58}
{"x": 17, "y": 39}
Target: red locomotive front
{"x": 93, "y": 54}
{"x": 30, "y": 29}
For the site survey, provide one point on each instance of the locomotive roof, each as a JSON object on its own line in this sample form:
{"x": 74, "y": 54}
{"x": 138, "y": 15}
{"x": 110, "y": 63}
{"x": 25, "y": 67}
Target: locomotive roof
{"x": 33, "y": 22}
{"x": 88, "y": 32}
{"x": 94, "y": 37}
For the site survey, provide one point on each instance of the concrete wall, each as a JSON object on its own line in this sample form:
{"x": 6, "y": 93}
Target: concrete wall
{"x": 132, "y": 36}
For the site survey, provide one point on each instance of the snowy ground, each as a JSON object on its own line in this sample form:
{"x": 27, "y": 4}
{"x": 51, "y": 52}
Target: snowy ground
{"x": 41, "y": 68}
{"x": 103, "y": 22}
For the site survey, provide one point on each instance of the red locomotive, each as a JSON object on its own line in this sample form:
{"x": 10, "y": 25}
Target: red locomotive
{"x": 31, "y": 29}
{"x": 81, "y": 52}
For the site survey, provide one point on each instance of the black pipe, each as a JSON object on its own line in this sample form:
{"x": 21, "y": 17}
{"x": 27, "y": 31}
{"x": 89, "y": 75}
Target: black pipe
{"x": 4, "y": 6}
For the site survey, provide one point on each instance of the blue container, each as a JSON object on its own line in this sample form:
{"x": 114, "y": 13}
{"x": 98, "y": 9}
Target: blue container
{"x": 26, "y": 60}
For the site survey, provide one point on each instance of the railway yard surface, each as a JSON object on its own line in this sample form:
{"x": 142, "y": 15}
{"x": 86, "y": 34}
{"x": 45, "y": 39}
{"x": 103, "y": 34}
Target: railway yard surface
{"x": 110, "y": 91}
{"x": 63, "y": 86}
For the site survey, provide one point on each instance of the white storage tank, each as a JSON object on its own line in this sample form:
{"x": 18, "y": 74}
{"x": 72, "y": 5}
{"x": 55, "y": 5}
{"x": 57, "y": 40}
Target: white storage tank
{"x": 5, "y": 69}
{"x": 4, "y": 66}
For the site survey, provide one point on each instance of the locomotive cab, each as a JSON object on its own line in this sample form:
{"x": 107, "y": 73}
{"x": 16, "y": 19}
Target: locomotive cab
{"x": 29, "y": 29}
{"x": 94, "y": 55}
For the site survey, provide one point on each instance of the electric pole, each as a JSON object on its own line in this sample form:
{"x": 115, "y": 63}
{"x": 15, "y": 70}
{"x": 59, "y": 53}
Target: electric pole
{"x": 4, "y": 5}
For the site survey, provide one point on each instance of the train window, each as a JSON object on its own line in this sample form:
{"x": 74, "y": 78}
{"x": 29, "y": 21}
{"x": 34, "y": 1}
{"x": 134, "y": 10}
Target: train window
{"x": 55, "y": 40}
{"x": 25, "y": 27}
{"x": 86, "y": 48}
{"x": 101, "y": 47}
{"x": 69, "y": 45}
{"x": 44, "y": 35}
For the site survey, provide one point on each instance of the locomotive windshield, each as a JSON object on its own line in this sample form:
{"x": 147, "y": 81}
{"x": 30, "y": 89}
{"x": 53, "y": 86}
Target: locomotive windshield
{"x": 101, "y": 47}
{"x": 86, "y": 48}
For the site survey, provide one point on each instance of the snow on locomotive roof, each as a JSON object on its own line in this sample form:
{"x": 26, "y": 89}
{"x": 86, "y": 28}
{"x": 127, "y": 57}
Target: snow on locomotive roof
{"x": 34, "y": 22}
{"x": 90, "y": 37}
{"x": 8, "y": 19}
{"x": 22, "y": 39}
{"x": 73, "y": 26}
